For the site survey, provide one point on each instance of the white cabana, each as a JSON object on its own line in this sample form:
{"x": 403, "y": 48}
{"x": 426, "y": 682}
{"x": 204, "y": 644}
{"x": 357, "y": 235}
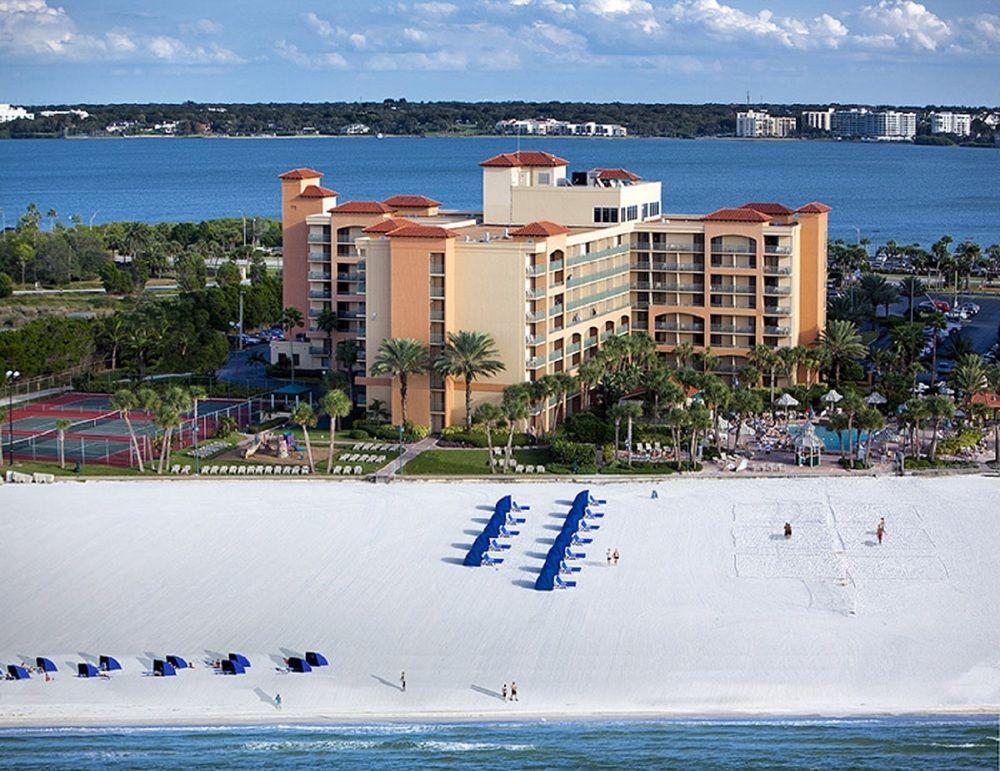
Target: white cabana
{"x": 875, "y": 398}
{"x": 808, "y": 446}
{"x": 787, "y": 400}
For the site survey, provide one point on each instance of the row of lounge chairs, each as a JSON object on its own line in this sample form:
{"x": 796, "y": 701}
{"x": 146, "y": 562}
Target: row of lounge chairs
{"x": 370, "y": 446}
{"x": 255, "y": 471}
{"x": 361, "y": 458}
{"x": 348, "y": 471}
{"x": 208, "y": 450}
{"x": 38, "y": 478}
{"x": 514, "y": 467}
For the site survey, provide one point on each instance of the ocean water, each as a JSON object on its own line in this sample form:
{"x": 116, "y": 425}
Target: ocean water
{"x": 882, "y": 191}
{"x": 877, "y": 743}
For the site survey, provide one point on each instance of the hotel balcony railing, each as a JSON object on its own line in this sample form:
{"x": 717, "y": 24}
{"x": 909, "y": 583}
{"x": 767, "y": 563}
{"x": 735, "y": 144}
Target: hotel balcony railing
{"x": 534, "y": 339}
{"x": 350, "y": 314}
{"x": 318, "y": 238}
{"x": 313, "y": 313}
{"x": 777, "y": 290}
{"x": 733, "y": 250}
{"x": 640, "y": 285}
{"x": 437, "y": 293}
{"x": 556, "y": 355}
{"x": 621, "y": 329}
{"x": 680, "y": 287}
{"x": 677, "y": 247}
{"x": 598, "y": 255}
{"x": 358, "y": 276}
{"x": 677, "y": 326}
{"x": 555, "y": 310}
{"x": 315, "y": 275}
{"x": 735, "y": 329}
{"x": 607, "y": 335}
{"x": 780, "y": 331}
{"x": 733, "y": 289}
{"x": 777, "y": 310}
{"x": 535, "y": 270}
{"x": 592, "y": 277}
{"x": 319, "y": 257}
{"x": 573, "y": 348}
{"x": 555, "y": 264}
{"x": 681, "y": 266}
{"x": 597, "y": 296}
{"x": 640, "y": 266}
{"x": 590, "y": 342}
{"x": 536, "y": 294}
{"x": 729, "y": 302}
{"x": 534, "y": 315}
{"x": 535, "y": 362}
{"x": 773, "y": 270}
{"x": 642, "y": 304}
{"x": 318, "y": 350}
{"x": 729, "y": 369}
{"x": 770, "y": 249}
{"x": 314, "y": 295}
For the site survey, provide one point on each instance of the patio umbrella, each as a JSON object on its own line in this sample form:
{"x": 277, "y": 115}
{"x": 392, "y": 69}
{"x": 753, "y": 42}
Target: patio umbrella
{"x": 919, "y": 388}
{"x": 831, "y": 396}
{"x": 787, "y": 400}
{"x": 875, "y": 398}
{"x": 944, "y": 389}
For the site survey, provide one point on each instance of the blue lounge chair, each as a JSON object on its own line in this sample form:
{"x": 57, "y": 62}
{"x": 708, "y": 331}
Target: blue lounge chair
{"x": 163, "y": 668}
{"x": 573, "y": 555}
{"x": 578, "y": 540}
{"x": 561, "y": 584}
{"x": 316, "y": 659}
{"x": 14, "y": 672}
{"x": 240, "y": 659}
{"x": 567, "y": 568}
{"x": 109, "y": 663}
{"x": 489, "y": 561}
{"x": 177, "y": 662}
{"x": 495, "y": 545}
{"x": 505, "y": 533}
{"x": 87, "y": 670}
{"x": 591, "y": 514}
{"x": 584, "y": 525}
{"x": 45, "y": 665}
{"x": 519, "y": 507}
{"x": 597, "y": 500}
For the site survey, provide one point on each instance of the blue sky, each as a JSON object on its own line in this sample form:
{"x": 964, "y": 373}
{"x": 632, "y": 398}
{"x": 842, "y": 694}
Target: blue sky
{"x": 867, "y": 51}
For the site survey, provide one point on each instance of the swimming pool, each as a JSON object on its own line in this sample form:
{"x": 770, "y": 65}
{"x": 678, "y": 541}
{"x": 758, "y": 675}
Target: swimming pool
{"x": 831, "y": 441}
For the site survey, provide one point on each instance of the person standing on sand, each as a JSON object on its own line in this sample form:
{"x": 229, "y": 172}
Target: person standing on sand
{"x": 615, "y": 556}
{"x": 513, "y": 691}
{"x": 788, "y": 530}
{"x": 503, "y": 692}
{"x": 880, "y": 530}
{"x": 609, "y": 556}
{"x": 277, "y": 701}
{"x": 402, "y": 681}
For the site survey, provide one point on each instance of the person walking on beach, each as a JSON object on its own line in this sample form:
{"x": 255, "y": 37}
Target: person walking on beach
{"x": 277, "y": 701}
{"x": 615, "y": 556}
{"x": 788, "y": 530}
{"x": 402, "y": 681}
{"x": 609, "y": 556}
{"x": 513, "y": 691}
{"x": 880, "y": 530}
{"x": 503, "y": 692}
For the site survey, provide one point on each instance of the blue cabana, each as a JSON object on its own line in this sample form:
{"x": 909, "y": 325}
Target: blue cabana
{"x": 295, "y": 664}
{"x": 17, "y": 673}
{"x": 232, "y": 667}
{"x": 109, "y": 663}
{"x": 178, "y": 662}
{"x": 479, "y": 547}
{"x": 45, "y": 664}
{"x": 240, "y": 659}
{"x": 316, "y": 659}
{"x": 163, "y": 668}
{"x": 87, "y": 670}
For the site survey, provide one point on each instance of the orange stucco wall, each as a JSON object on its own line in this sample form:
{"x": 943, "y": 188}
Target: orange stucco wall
{"x": 295, "y": 243}
{"x": 812, "y": 276}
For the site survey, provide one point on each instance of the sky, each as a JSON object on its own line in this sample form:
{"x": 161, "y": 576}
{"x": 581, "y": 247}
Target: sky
{"x": 692, "y": 51}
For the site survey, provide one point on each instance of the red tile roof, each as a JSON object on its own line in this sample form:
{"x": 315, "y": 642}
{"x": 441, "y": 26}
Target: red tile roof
{"x": 421, "y": 231}
{"x": 300, "y": 174}
{"x": 769, "y": 207}
{"x": 813, "y": 208}
{"x": 317, "y": 191}
{"x": 525, "y": 158}
{"x": 988, "y": 398}
{"x": 388, "y": 225}
{"x": 736, "y": 215}
{"x": 623, "y": 174}
{"x": 410, "y": 202}
{"x": 540, "y": 229}
{"x": 362, "y": 207}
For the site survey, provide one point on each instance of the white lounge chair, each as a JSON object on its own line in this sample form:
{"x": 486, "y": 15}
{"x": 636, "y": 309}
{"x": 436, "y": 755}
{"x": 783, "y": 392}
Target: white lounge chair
{"x": 539, "y": 469}
{"x": 186, "y": 470}
{"x": 175, "y": 469}
{"x": 358, "y": 470}
{"x": 304, "y": 470}
{"x": 529, "y": 469}
{"x": 519, "y": 469}
{"x": 336, "y": 470}
{"x": 346, "y": 471}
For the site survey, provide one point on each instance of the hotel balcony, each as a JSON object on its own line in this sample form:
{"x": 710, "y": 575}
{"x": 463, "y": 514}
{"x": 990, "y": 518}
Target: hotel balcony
{"x": 777, "y": 310}
{"x": 777, "y": 270}
{"x": 778, "y": 291}
{"x": 315, "y": 275}
{"x": 736, "y": 329}
{"x": 535, "y": 362}
{"x": 319, "y": 257}
{"x": 733, "y": 289}
{"x": 777, "y": 331}
{"x": 777, "y": 249}
{"x": 319, "y": 238}
{"x": 315, "y": 295}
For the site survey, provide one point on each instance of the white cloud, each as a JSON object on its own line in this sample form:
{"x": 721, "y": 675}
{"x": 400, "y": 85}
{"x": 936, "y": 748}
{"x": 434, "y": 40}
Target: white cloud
{"x": 322, "y": 26}
{"x": 170, "y": 49}
{"x": 728, "y": 22}
{"x": 437, "y": 60}
{"x": 312, "y": 61}
{"x": 436, "y": 8}
{"x": 615, "y": 7}
{"x": 908, "y": 22}
{"x": 414, "y": 35}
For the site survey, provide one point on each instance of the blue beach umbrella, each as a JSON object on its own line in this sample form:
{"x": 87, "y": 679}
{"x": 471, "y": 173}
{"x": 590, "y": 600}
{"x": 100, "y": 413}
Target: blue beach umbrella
{"x": 45, "y": 664}
{"x": 86, "y": 670}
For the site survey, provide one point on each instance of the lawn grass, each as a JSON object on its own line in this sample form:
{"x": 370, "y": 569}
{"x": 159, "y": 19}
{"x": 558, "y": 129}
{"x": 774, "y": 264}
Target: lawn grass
{"x": 467, "y": 462}
{"x": 87, "y": 470}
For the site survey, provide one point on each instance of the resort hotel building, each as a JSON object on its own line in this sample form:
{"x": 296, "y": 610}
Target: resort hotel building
{"x": 554, "y": 265}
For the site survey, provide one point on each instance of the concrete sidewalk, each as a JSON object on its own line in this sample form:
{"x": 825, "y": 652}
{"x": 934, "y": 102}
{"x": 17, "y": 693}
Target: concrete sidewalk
{"x": 388, "y": 471}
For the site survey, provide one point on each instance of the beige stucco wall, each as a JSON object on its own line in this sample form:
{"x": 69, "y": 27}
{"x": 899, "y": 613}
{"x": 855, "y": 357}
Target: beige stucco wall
{"x": 575, "y": 205}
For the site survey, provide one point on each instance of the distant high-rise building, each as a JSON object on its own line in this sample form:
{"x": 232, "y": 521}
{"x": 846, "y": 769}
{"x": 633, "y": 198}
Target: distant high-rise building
{"x": 956, "y": 123}
{"x": 9, "y": 112}
{"x": 760, "y": 124}
{"x": 864, "y": 123}
{"x": 818, "y": 120}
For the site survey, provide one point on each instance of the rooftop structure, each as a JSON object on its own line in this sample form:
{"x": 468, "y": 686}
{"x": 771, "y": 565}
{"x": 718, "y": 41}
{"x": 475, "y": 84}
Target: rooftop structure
{"x": 555, "y": 264}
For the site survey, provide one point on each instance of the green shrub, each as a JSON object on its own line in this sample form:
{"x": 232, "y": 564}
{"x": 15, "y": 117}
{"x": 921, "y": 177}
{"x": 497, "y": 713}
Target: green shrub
{"x": 358, "y": 435}
{"x": 963, "y": 440}
{"x": 587, "y": 427}
{"x": 415, "y": 432}
{"x": 608, "y": 454}
{"x": 572, "y": 454}
{"x": 6, "y": 285}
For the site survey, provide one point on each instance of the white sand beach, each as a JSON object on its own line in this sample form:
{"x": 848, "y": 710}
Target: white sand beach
{"x": 710, "y": 611}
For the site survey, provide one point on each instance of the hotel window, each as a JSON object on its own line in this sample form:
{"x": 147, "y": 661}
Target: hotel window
{"x": 544, "y": 178}
{"x": 654, "y": 208}
{"x": 606, "y": 214}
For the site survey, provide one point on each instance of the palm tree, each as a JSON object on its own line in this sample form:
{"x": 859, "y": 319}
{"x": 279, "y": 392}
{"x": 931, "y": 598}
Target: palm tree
{"x": 745, "y": 404}
{"x": 676, "y": 420}
{"x": 684, "y": 354}
{"x": 291, "y": 319}
{"x": 62, "y": 425}
{"x": 563, "y": 384}
{"x": 715, "y": 394}
{"x": 699, "y": 421}
{"x": 489, "y": 416}
{"x": 790, "y": 359}
{"x": 588, "y": 375}
{"x": 327, "y": 322}
{"x": 633, "y": 411}
{"x": 170, "y": 409}
{"x": 850, "y": 406}
{"x": 838, "y": 423}
{"x": 841, "y": 343}
{"x": 336, "y": 405}
{"x": 869, "y": 420}
{"x": 761, "y": 358}
{"x": 708, "y": 360}
{"x": 115, "y": 333}
{"x": 514, "y": 406}
{"x": 911, "y": 287}
{"x": 935, "y": 322}
{"x": 915, "y": 411}
{"x": 124, "y": 401}
{"x": 348, "y": 352}
{"x": 878, "y": 292}
{"x": 470, "y": 356}
{"x": 939, "y": 408}
{"x": 304, "y": 416}
{"x": 400, "y": 357}
{"x": 618, "y": 413}
{"x": 970, "y": 376}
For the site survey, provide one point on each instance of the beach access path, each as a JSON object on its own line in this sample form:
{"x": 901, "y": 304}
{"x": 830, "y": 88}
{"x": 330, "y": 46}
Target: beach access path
{"x": 710, "y": 610}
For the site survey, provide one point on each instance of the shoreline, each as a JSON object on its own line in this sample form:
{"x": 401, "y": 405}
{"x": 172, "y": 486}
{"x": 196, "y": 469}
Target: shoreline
{"x": 474, "y": 718}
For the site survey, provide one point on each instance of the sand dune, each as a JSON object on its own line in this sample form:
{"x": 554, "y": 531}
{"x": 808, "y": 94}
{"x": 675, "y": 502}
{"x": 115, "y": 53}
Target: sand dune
{"x": 711, "y": 610}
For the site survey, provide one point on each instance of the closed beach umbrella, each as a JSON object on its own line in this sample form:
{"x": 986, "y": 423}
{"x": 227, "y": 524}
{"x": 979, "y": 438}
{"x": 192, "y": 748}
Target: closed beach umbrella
{"x": 45, "y": 664}
{"x": 109, "y": 663}
{"x": 831, "y": 397}
{"x": 875, "y": 398}
{"x": 86, "y": 670}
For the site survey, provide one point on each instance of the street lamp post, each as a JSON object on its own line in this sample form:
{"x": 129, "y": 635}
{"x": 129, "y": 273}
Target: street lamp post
{"x": 12, "y": 375}
{"x": 402, "y": 449}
